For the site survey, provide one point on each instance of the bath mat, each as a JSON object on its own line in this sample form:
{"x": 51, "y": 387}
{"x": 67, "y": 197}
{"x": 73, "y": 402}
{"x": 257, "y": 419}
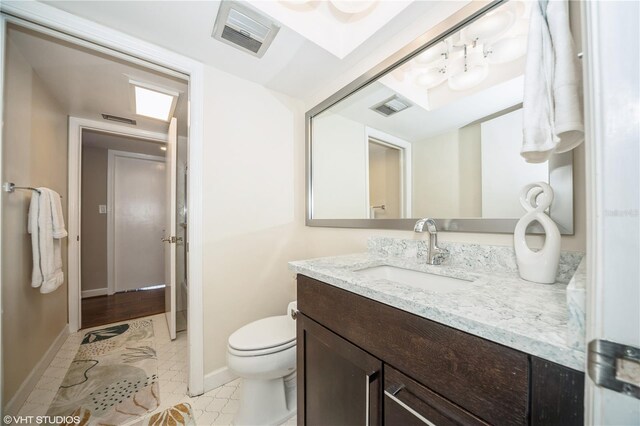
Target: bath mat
{"x": 178, "y": 415}
{"x": 113, "y": 378}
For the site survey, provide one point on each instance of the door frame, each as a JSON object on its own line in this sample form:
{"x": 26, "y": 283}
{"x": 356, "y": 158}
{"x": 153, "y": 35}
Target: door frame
{"x": 405, "y": 167}
{"x": 63, "y": 25}
{"x": 75, "y": 128}
{"x": 612, "y": 207}
{"x": 111, "y": 219}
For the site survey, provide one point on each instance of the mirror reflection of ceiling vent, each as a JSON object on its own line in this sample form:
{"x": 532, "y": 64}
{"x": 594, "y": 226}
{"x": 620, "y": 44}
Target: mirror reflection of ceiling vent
{"x": 391, "y": 106}
{"x": 241, "y": 27}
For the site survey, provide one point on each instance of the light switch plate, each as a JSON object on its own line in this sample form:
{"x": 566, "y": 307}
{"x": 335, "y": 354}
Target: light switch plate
{"x": 102, "y": 209}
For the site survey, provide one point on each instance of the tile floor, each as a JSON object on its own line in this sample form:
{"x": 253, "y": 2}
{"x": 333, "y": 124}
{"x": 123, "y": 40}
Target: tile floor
{"x": 216, "y": 407}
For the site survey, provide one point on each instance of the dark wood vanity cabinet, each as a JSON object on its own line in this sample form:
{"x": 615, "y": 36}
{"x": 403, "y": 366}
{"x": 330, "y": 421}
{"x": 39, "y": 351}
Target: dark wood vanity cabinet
{"x": 343, "y": 382}
{"x": 364, "y": 362}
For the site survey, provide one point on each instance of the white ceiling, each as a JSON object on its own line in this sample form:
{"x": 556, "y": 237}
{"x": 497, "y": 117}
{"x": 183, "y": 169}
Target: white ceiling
{"x": 93, "y": 139}
{"x": 87, "y": 83}
{"x": 293, "y": 65}
{"x": 324, "y": 24}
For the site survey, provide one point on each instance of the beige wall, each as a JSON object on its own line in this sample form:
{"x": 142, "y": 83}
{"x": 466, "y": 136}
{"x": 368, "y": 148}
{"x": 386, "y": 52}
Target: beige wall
{"x": 339, "y": 180}
{"x": 94, "y": 224}
{"x": 34, "y": 154}
{"x": 470, "y": 171}
{"x": 435, "y": 176}
{"x": 253, "y": 206}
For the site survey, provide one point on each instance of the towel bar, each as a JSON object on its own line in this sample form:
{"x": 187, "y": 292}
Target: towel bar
{"x": 11, "y": 187}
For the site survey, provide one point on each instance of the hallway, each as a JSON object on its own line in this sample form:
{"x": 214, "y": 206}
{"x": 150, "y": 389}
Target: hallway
{"x": 103, "y": 310}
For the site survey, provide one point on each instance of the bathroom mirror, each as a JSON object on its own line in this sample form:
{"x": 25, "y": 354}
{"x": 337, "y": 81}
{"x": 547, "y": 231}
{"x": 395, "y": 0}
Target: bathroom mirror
{"x": 435, "y": 131}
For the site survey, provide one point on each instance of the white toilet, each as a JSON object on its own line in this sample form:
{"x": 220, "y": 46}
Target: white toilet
{"x": 263, "y": 354}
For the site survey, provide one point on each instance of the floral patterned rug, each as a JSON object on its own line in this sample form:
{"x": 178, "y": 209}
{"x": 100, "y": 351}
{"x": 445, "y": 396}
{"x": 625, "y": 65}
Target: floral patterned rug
{"x": 113, "y": 378}
{"x": 178, "y": 415}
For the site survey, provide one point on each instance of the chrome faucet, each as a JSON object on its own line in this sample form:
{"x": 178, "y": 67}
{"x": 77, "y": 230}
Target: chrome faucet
{"x": 436, "y": 254}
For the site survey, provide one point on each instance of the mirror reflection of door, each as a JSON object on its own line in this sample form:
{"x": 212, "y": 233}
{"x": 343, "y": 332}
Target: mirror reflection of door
{"x": 385, "y": 180}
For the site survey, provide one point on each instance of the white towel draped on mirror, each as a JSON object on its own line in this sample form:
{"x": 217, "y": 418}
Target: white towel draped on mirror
{"x": 552, "y": 95}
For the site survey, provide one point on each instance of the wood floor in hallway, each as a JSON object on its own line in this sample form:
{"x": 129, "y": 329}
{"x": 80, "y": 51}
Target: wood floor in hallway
{"x": 102, "y": 310}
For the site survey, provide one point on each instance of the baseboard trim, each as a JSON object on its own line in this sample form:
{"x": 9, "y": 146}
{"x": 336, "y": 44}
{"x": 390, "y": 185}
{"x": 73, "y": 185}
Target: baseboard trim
{"x": 217, "y": 378}
{"x": 18, "y": 400}
{"x": 94, "y": 293}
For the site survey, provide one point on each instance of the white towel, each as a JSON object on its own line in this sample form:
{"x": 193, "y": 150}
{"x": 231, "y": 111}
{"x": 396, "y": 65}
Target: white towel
{"x": 567, "y": 82}
{"x": 552, "y": 102}
{"x": 538, "y": 134}
{"x": 46, "y": 226}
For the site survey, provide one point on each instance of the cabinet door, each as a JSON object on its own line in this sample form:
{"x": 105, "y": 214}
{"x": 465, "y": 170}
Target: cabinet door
{"x": 557, "y": 394}
{"x": 408, "y": 403}
{"x": 338, "y": 383}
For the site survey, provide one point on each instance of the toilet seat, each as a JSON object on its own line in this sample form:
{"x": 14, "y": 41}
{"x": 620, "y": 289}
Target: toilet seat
{"x": 263, "y": 337}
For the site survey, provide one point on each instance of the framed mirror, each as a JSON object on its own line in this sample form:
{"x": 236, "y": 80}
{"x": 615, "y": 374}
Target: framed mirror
{"x": 434, "y": 131}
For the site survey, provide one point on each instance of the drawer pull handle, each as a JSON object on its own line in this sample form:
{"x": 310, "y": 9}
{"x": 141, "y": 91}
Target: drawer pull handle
{"x": 406, "y": 407}
{"x": 367, "y": 402}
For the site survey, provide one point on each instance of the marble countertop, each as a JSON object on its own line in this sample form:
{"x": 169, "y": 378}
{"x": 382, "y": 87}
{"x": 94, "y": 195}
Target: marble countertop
{"x": 498, "y": 306}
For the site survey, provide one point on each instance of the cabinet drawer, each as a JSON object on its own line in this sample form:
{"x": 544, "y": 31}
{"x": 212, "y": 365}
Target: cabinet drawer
{"x": 487, "y": 379}
{"x": 407, "y": 403}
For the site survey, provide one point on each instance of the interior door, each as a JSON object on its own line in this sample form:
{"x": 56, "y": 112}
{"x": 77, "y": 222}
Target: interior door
{"x": 170, "y": 238}
{"x": 137, "y": 203}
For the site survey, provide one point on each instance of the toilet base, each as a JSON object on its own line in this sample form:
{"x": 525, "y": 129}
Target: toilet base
{"x": 265, "y": 402}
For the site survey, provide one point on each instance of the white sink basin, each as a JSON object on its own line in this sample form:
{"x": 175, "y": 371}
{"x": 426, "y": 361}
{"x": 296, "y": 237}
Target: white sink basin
{"x": 417, "y": 279}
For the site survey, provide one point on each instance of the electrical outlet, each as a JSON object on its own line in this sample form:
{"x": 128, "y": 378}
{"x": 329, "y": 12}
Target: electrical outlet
{"x": 102, "y": 209}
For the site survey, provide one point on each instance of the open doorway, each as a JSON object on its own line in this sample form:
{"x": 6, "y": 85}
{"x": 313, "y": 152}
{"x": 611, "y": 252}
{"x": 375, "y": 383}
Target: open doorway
{"x": 122, "y": 221}
{"x": 388, "y": 175}
{"x": 121, "y": 265}
{"x": 385, "y": 180}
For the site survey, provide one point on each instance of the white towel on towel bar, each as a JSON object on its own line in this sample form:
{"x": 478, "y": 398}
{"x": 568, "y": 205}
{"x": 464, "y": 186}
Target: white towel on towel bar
{"x": 46, "y": 226}
{"x": 552, "y": 102}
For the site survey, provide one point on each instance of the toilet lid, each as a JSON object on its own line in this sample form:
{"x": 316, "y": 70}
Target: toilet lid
{"x": 263, "y": 334}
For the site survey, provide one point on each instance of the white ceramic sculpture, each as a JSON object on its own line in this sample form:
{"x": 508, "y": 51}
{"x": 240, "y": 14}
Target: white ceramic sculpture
{"x": 537, "y": 266}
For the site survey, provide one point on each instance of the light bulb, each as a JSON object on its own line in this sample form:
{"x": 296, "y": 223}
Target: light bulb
{"x": 507, "y": 50}
{"x": 432, "y": 54}
{"x": 431, "y": 77}
{"x": 489, "y": 27}
{"x": 465, "y": 76}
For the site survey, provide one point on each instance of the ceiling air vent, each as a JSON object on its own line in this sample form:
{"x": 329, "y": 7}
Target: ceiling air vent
{"x": 241, "y": 27}
{"x": 118, "y": 119}
{"x": 391, "y": 106}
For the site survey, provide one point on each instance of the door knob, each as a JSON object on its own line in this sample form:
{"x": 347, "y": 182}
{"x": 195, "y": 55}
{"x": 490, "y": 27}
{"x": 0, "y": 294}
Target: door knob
{"x": 167, "y": 240}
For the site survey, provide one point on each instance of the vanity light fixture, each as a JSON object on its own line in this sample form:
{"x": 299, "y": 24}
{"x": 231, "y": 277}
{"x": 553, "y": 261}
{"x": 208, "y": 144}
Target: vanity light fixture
{"x": 153, "y": 101}
{"x": 463, "y": 59}
{"x": 468, "y": 71}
